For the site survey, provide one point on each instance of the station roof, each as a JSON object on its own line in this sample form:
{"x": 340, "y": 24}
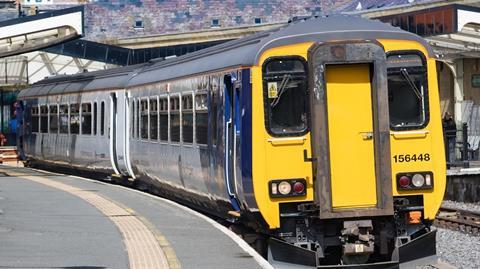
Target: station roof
{"x": 242, "y": 52}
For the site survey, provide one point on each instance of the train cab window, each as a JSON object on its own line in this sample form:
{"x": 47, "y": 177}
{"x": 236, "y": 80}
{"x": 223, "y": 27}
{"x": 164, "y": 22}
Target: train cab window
{"x": 95, "y": 110}
{"x": 102, "y": 118}
{"x": 54, "y": 119}
{"x": 407, "y": 91}
{"x": 201, "y": 118}
{"x": 174, "y": 119}
{"x": 35, "y": 119}
{"x": 144, "y": 119}
{"x": 285, "y": 91}
{"x": 187, "y": 118}
{"x": 87, "y": 119}
{"x": 63, "y": 119}
{"x": 163, "y": 110}
{"x": 153, "y": 118}
{"x": 43, "y": 119}
{"x": 74, "y": 118}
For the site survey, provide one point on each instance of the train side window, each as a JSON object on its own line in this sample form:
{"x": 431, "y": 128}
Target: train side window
{"x": 74, "y": 118}
{"x": 63, "y": 119}
{"x": 187, "y": 118}
{"x": 163, "y": 109}
{"x": 102, "y": 118}
{"x": 407, "y": 90}
{"x": 154, "y": 118}
{"x": 201, "y": 118}
{"x": 137, "y": 115}
{"x": 95, "y": 111}
{"x": 86, "y": 119}
{"x": 174, "y": 119}
{"x": 43, "y": 119}
{"x": 35, "y": 119}
{"x": 144, "y": 119}
{"x": 132, "y": 119}
{"x": 54, "y": 119}
{"x": 285, "y": 94}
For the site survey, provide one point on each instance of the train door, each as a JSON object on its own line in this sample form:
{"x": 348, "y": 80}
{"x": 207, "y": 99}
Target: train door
{"x": 119, "y": 138}
{"x": 350, "y": 129}
{"x": 231, "y": 127}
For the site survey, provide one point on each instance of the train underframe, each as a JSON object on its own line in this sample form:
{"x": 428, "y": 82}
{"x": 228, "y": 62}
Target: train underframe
{"x": 373, "y": 242}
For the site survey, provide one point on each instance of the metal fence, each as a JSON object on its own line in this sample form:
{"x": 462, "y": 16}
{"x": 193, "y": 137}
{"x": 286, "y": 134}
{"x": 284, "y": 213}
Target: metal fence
{"x": 461, "y": 146}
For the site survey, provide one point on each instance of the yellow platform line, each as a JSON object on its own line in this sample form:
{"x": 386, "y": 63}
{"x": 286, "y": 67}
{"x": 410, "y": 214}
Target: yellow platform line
{"x": 145, "y": 245}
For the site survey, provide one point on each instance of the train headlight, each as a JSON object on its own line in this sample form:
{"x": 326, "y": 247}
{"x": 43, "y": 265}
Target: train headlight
{"x": 284, "y": 188}
{"x": 415, "y": 181}
{"x": 418, "y": 180}
{"x": 288, "y": 187}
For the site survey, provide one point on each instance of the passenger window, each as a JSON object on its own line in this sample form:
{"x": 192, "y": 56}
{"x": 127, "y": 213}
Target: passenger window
{"x": 35, "y": 119}
{"x": 153, "y": 119}
{"x": 285, "y": 91}
{"x": 43, "y": 119}
{"x": 201, "y": 118}
{"x": 54, "y": 119}
{"x": 102, "y": 118}
{"x": 63, "y": 119}
{"x": 137, "y": 116}
{"x": 407, "y": 91}
{"x": 187, "y": 118}
{"x": 132, "y": 119}
{"x": 87, "y": 119}
{"x": 163, "y": 107}
{"x": 174, "y": 119}
{"x": 74, "y": 119}
{"x": 144, "y": 119}
{"x": 95, "y": 111}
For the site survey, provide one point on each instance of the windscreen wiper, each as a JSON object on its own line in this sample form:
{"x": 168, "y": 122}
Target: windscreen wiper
{"x": 410, "y": 82}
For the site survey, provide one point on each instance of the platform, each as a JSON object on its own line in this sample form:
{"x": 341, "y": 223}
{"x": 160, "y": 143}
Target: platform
{"x": 52, "y": 220}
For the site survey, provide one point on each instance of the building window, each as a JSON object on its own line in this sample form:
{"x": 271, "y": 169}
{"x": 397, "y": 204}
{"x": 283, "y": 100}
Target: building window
{"x": 476, "y": 80}
{"x": 187, "y": 118}
{"x": 144, "y": 119}
{"x": 54, "y": 119}
{"x": 139, "y": 24}
{"x": 201, "y": 118}
{"x": 153, "y": 119}
{"x": 74, "y": 118}
{"x": 35, "y": 119}
{"x": 174, "y": 119}
{"x": 258, "y": 20}
{"x": 87, "y": 119}
{"x": 64, "y": 119}
{"x": 44, "y": 119}
{"x": 215, "y": 23}
{"x": 163, "y": 109}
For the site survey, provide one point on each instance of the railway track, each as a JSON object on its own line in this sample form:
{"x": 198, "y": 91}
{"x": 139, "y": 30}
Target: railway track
{"x": 459, "y": 220}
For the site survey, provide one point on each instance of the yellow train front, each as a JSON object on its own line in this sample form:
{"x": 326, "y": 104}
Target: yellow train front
{"x": 348, "y": 165}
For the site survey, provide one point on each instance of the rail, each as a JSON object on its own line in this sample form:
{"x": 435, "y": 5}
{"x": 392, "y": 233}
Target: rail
{"x": 459, "y": 220}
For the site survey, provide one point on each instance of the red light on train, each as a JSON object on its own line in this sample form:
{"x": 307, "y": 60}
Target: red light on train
{"x": 298, "y": 187}
{"x": 404, "y": 181}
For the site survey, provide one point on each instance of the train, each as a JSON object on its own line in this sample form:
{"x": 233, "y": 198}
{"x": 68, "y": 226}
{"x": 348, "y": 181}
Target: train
{"x": 320, "y": 141}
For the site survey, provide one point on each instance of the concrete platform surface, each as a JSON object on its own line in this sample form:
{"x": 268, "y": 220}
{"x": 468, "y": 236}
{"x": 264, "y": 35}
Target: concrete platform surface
{"x": 57, "y": 221}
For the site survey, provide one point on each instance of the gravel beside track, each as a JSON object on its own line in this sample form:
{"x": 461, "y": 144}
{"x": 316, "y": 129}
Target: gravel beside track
{"x": 464, "y": 206}
{"x": 458, "y": 249}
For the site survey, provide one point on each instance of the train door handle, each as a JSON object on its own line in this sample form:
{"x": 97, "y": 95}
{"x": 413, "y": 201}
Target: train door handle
{"x": 367, "y": 135}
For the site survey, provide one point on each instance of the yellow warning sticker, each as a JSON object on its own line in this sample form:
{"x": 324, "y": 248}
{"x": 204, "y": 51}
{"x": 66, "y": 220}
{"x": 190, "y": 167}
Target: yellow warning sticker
{"x": 272, "y": 90}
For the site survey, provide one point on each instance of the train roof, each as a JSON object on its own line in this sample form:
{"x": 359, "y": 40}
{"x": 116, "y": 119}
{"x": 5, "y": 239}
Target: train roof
{"x": 242, "y": 52}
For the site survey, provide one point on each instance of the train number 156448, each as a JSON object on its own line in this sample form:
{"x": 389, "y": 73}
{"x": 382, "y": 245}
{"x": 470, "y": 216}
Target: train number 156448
{"x": 422, "y": 157}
